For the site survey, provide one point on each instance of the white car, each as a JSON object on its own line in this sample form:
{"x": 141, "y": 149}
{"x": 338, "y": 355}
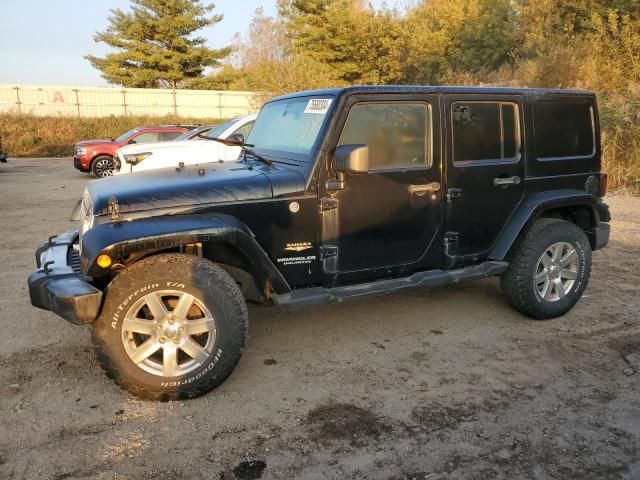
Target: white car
{"x": 195, "y": 149}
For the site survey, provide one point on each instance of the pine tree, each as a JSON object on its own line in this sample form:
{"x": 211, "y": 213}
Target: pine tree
{"x": 155, "y": 44}
{"x": 324, "y": 31}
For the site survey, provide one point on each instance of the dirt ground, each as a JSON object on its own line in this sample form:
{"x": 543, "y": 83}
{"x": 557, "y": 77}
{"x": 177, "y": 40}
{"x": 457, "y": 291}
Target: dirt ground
{"x": 440, "y": 384}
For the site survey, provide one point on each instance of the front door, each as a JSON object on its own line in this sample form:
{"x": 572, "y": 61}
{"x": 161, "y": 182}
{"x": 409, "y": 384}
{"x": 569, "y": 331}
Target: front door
{"x": 485, "y": 173}
{"x": 388, "y": 219}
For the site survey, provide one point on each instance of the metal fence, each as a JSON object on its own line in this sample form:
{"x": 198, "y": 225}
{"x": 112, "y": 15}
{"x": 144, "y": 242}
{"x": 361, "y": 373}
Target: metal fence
{"x": 101, "y": 102}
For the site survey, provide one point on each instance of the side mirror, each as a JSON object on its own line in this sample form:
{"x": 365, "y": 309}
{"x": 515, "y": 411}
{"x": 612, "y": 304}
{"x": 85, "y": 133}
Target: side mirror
{"x": 348, "y": 159}
{"x": 236, "y": 137}
{"x": 131, "y": 142}
{"x": 351, "y": 159}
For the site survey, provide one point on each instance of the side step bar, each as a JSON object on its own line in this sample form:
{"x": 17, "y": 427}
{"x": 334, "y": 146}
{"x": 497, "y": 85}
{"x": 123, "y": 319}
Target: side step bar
{"x": 432, "y": 278}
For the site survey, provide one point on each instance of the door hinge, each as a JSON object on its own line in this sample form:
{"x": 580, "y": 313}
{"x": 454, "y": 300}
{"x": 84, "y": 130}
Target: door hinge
{"x": 114, "y": 209}
{"x": 451, "y": 237}
{"x": 328, "y": 203}
{"x": 328, "y": 251}
{"x": 454, "y": 194}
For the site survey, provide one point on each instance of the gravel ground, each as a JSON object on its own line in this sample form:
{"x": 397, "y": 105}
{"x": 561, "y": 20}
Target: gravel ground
{"x": 448, "y": 383}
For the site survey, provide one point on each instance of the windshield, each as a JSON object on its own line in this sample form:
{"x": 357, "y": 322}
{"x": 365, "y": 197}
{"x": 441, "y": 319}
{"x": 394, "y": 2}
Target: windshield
{"x": 124, "y": 136}
{"x": 291, "y": 125}
{"x": 219, "y": 130}
{"x": 193, "y": 134}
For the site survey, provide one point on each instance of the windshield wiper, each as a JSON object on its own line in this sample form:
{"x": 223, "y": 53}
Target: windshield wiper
{"x": 246, "y": 149}
{"x": 231, "y": 143}
{"x": 255, "y": 156}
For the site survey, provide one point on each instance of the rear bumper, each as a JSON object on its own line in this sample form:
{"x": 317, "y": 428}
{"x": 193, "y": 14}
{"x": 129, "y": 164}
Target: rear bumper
{"x": 57, "y": 287}
{"x": 600, "y": 237}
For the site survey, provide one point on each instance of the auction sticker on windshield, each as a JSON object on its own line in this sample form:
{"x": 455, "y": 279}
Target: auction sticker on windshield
{"x": 318, "y": 105}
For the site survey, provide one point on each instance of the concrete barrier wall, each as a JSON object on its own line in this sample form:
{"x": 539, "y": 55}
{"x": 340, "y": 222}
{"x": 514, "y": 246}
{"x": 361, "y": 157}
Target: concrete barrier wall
{"x": 68, "y": 101}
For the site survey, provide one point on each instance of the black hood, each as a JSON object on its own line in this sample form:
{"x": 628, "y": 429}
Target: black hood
{"x": 170, "y": 188}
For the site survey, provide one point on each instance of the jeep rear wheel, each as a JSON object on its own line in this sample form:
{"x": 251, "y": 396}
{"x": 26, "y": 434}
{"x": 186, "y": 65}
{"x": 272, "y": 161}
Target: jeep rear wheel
{"x": 549, "y": 270}
{"x": 173, "y": 326}
{"x": 102, "y": 166}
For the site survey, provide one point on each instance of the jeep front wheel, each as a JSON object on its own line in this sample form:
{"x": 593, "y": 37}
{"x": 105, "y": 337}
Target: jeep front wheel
{"x": 173, "y": 326}
{"x": 549, "y": 269}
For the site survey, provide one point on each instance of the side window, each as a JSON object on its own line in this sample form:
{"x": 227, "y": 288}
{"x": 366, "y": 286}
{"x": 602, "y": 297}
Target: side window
{"x": 485, "y": 132}
{"x": 563, "y": 130}
{"x": 398, "y": 134}
{"x": 146, "y": 137}
{"x": 245, "y": 129}
{"x": 167, "y": 136}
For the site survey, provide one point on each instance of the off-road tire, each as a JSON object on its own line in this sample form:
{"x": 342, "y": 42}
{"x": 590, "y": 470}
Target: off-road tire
{"x": 96, "y": 163}
{"x": 518, "y": 282}
{"x": 209, "y": 284}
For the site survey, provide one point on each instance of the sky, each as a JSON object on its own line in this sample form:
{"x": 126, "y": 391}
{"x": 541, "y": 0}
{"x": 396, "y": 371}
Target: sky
{"x": 42, "y": 41}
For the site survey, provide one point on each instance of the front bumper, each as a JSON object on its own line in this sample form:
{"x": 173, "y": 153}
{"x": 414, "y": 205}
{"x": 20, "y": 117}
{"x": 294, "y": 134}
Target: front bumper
{"x": 79, "y": 163}
{"x": 59, "y": 286}
{"x": 120, "y": 165}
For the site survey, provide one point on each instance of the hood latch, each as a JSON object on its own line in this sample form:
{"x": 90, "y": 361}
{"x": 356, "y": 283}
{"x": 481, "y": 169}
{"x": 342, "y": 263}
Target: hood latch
{"x": 114, "y": 209}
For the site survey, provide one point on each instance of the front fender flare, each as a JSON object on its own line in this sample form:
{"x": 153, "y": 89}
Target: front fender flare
{"x": 533, "y": 207}
{"x": 119, "y": 239}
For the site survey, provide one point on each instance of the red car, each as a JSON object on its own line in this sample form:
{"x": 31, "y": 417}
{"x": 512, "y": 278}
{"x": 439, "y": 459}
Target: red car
{"x": 96, "y": 156}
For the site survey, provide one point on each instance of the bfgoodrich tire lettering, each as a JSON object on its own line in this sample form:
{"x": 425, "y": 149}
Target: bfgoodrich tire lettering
{"x": 549, "y": 269}
{"x": 200, "y": 344}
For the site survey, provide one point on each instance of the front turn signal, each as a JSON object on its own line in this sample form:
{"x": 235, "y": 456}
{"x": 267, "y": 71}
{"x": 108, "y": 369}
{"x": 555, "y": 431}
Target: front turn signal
{"x": 104, "y": 261}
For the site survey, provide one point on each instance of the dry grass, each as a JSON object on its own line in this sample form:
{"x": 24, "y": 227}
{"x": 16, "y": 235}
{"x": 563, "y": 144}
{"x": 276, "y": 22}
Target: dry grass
{"x": 30, "y": 136}
{"x": 620, "y": 119}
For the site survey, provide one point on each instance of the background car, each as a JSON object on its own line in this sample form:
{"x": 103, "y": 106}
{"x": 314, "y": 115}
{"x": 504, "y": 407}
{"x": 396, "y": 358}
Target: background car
{"x": 198, "y": 149}
{"x": 96, "y": 156}
{"x": 3, "y": 154}
{"x": 196, "y": 133}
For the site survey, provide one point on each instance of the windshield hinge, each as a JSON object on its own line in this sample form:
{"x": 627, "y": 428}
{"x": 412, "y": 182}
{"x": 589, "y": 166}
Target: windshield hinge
{"x": 328, "y": 203}
{"x": 114, "y": 209}
{"x": 328, "y": 251}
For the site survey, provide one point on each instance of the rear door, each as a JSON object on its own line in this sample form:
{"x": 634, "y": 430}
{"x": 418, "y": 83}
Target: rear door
{"x": 485, "y": 172}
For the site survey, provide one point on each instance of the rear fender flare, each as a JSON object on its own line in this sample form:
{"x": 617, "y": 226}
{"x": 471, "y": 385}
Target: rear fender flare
{"x": 123, "y": 238}
{"x": 533, "y": 207}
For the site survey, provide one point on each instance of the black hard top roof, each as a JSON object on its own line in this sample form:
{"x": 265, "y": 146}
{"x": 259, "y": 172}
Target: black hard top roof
{"x": 434, "y": 89}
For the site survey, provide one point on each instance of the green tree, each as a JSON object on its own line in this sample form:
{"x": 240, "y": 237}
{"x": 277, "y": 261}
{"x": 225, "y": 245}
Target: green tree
{"x": 325, "y": 31}
{"x": 445, "y": 39}
{"x": 265, "y": 61}
{"x": 155, "y": 44}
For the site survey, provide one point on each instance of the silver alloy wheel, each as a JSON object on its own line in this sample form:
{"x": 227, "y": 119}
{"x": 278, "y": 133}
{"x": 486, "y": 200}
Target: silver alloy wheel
{"x": 104, "y": 168}
{"x": 556, "y": 271}
{"x": 168, "y": 333}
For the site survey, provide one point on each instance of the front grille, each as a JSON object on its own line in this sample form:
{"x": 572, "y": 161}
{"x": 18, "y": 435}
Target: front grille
{"x": 74, "y": 260}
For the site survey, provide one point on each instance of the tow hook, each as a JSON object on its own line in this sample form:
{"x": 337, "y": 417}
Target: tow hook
{"x": 45, "y": 267}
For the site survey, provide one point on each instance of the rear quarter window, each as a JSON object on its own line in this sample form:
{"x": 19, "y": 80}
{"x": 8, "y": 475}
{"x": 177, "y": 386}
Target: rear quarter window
{"x": 564, "y": 130}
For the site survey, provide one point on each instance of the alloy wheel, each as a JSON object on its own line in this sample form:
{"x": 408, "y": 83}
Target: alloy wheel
{"x": 168, "y": 333}
{"x": 556, "y": 271}
{"x": 104, "y": 168}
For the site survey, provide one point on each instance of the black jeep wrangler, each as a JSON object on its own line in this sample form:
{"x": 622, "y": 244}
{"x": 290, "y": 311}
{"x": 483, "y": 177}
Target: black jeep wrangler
{"x": 338, "y": 193}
